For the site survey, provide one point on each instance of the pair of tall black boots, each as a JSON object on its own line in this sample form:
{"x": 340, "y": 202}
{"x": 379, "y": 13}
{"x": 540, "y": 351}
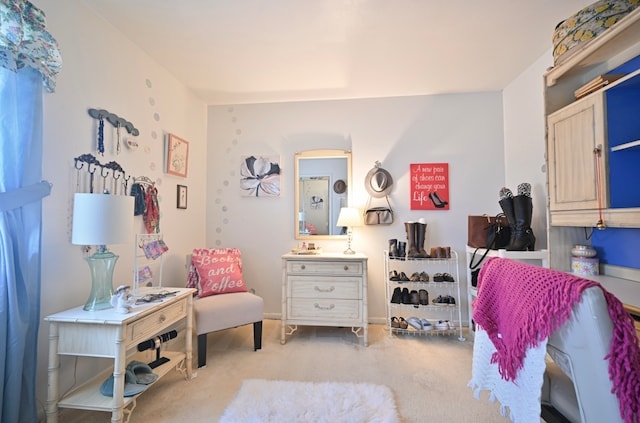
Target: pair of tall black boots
{"x": 519, "y": 210}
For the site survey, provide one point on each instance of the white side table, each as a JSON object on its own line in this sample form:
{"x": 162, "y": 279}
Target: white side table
{"x": 106, "y": 333}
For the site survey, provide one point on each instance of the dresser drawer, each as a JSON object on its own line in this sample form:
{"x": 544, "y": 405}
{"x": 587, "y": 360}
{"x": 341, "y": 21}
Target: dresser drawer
{"x": 302, "y": 267}
{"x": 146, "y": 327}
{"x": 324, "y": 287}
{"x": 324, "y": 310}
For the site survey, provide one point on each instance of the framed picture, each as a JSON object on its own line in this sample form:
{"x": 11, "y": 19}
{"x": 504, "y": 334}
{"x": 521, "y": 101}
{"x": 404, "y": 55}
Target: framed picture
{"x": 182, "y": 197}
{"x": 177, "y": 156}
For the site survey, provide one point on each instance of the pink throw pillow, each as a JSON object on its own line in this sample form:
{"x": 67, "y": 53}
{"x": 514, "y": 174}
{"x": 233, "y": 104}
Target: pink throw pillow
{"x": 219, "y": 271}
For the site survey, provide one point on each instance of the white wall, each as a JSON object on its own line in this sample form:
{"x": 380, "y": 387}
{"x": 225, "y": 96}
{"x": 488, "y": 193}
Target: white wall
{"x": 104, "y": 70}
{"x": 524, "y": 139}
{"x": 464, "y": 130}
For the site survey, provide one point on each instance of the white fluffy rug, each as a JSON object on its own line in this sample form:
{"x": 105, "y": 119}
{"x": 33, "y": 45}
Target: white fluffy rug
{"x": 260, "y": 400}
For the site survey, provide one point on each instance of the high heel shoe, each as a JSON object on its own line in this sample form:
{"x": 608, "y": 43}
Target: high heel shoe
{"x": 437, "y": 201}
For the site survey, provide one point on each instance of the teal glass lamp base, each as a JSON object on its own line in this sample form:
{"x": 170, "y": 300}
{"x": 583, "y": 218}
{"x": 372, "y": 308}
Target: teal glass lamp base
{"x": 101, "y": 265}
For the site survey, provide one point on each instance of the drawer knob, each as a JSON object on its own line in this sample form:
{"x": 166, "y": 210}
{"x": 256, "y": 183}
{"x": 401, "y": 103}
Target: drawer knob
{"x": 346, "y": 267}
{"x": 303, "y": 267}
{"x": 330, "y": 289}
{"x": 162, "y": 318}
{"x": 319, "y": 307}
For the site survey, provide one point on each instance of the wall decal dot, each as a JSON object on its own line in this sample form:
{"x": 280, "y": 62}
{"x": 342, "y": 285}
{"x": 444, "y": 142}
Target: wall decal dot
{"x": 154, "y": 134}
{"x": 225, "y": 221}
{"x": 147, "y": 149}
{"x": 224, "y": 208}
{"x": 233, "y": 119}
{"x": 238, "y": 131}
{"x": 148, "y": 82}
{"x": 232, "y": 173}
{"x": 152, "y": 166}
{"x": 230, "y": 109}
{"x": 234, "y": 142}
{"x": 218, "y": 242}
{"x": 159, "y": 181}
{"x": 225, "y": 183}
{"x": 156, "y": 117}
{"x": 152, "y": 101}
{"x": 218, "y": 201}
{"x": 218, "y": 230}
{"x": 228, "y": 150}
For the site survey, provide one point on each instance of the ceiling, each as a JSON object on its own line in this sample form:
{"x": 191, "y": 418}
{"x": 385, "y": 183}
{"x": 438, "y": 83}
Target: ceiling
{"x": 255, "y": 51}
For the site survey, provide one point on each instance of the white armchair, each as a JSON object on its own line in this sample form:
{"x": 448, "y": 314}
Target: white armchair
{"x": 220, "y": 309}
{"x": 576, "y": 383}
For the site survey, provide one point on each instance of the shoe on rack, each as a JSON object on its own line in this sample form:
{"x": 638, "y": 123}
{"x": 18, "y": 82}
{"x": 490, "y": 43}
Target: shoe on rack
{"x": 415, "y": 323}
{"x": 403, "y": 323}
{"x": 424, "y": 277}
{"x": 415, "y": 277}
{"x": 423, "y": 296}
{"x": 451, "y": 300}
{"x": 415, "y": 298}
{"x": 395, "y": 323}
{"x": 442, "y": 325}
{"x": 403, "y": 277}
{"x": 396, "y": 298}
{"x": 447, "y": 277}
{"x": 393, "y": 276}
{"x": 426, "y": 325}
{"x": 406, "y": 298}
{"x": 438, "y": 277}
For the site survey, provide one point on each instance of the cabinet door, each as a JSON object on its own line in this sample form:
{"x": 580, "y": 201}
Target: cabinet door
{"x": 574, "y": 133}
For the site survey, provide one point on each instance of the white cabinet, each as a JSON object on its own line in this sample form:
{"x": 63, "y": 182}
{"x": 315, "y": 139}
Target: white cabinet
{"x": 576, "y": 133}
{"x": 605, "y": 117}
{"x": 328, "y": 289}
{"x": 442, "y": 302}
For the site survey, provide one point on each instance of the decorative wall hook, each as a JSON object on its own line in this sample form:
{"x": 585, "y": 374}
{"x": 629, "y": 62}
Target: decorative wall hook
{"x": 113, "y": 119}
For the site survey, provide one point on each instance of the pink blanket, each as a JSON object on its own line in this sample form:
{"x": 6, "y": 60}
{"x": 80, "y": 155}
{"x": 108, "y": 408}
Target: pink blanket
{"x": 517, "y": 316}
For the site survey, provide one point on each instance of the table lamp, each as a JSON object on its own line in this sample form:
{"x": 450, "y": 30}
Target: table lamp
{"x": 349, "y": 217}
{"x": 101, "y": 219}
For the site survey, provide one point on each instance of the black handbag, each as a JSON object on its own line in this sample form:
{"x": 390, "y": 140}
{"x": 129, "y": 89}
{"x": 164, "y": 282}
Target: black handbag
{"x": 498, "y": 233}
{"x": 498, "y": 236}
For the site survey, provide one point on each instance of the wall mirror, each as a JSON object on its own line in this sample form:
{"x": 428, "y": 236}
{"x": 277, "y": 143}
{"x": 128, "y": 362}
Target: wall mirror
{"x": 322, "y": 187}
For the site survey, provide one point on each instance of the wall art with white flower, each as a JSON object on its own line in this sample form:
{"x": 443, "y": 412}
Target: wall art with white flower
{"x": 260, "y": 176}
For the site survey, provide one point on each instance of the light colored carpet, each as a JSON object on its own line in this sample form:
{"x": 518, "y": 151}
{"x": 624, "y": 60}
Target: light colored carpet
{"x": 427, "y": 375}
{"x": 276, "y": 401}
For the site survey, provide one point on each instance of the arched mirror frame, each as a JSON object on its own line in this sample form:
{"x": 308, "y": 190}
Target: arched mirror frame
{"x": 319, "y": 155}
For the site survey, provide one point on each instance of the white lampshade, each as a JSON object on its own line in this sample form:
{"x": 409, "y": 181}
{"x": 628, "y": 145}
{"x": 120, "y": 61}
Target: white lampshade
{"x": 102, "y": 219}
{"x": 349, "y": 217}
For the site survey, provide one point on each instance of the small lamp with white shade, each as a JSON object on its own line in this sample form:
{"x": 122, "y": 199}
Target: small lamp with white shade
{"x": 101, "y": 219}
{"x": 349, "y": 217}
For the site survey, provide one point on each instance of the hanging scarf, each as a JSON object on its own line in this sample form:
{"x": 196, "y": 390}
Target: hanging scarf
{"x": 137, "y": 191}
{"x": 151, "y": 215}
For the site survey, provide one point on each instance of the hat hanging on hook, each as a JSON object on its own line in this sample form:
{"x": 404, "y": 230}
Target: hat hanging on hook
{"x": 378, "y": 182}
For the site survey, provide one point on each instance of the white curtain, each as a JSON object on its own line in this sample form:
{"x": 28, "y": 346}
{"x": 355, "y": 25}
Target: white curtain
{"x": 29, "y": 59}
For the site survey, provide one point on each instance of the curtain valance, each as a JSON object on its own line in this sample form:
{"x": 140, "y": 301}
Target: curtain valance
{"x": 25, "y": 42}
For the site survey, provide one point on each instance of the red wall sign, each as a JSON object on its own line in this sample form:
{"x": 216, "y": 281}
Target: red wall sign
{"x": 429, "y": 186}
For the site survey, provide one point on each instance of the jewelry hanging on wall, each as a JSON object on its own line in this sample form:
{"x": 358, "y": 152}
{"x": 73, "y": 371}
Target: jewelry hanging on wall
{"x": 118, "y": 138}
{"x": 101, "y": 136}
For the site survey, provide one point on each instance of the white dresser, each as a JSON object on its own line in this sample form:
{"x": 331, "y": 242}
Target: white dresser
{"x": 328, "y": 289}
